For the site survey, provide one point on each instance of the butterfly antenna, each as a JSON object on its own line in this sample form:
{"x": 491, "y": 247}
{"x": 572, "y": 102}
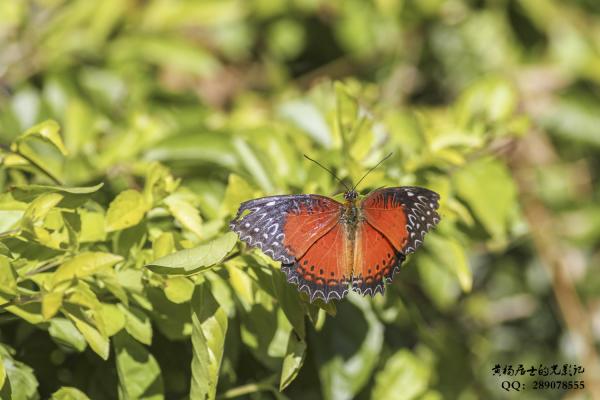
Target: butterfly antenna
{"x": 369, "y": 171}
{"x": 328, "y": 170}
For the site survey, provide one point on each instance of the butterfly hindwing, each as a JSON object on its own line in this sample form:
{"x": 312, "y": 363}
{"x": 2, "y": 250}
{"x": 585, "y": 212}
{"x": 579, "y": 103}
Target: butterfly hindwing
{"x": 323, "y": 271}
{"x": 375, "y": 260}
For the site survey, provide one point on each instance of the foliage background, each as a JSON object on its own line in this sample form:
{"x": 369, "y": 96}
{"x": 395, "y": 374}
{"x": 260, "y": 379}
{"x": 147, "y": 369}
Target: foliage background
{"x": 169, "y": 113}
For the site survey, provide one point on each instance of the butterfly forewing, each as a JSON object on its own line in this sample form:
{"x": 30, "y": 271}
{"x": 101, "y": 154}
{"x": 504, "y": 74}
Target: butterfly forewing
{"x": 301, "y": 231}
{"x": 403, "y": 214}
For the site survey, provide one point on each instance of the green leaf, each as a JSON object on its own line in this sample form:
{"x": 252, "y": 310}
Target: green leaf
{"x": 159, "y": 183}
{"x": 42, "y": 147}
{"x": 290, "y": 303}
{"x": 65, "y": 333}
{"x": 346, "y": 110}
{"x": 203, "y": 147}
{"x": 404, "y": 377}
{"x": 126, "y": 210}
{"x": 73, "y": 196}
{"x": 185, "y": 213}
{"x": 309, "y": 119}
{"x": 92, "y": 226}
{"x": 47, "y": 130}
{"x": 195, "y": 260}
{"x": 489, "y": 190}
{"x": 138, "y": 371}
{"x": 179, "y": 289}
{"x": 238, "y": 191}
{"x": 8, "y": 277}
{"x": 84, "y": 264}
{"x": 31, "y": 312}
{"x": 451, "y": 254}
{"x": 21, "y": 383}
{"x": 293, "y": 360}
{"x": 253, "y": 164}
{"x": 209, "y": 323}
{"x": 39, "y": 208}
{"x": 137, "y": 324}
{"x": 2, "y": 372}
{"x": 98, "y": 342}
{"x": 438, "y": 281}
{"x": 348, "y": 349}
{"x": 51, "y": 303}
{"x": 113, "y": 317}
{"x": 69, "y": 393}
{"x": 163, "y": 245}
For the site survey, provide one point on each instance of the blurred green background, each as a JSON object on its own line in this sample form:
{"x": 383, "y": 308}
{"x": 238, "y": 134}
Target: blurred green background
{"x": 183, "y": 109}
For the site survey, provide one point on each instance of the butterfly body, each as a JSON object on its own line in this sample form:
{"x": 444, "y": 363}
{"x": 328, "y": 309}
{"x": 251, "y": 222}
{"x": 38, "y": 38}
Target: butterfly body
{"x": 326, "y": 246}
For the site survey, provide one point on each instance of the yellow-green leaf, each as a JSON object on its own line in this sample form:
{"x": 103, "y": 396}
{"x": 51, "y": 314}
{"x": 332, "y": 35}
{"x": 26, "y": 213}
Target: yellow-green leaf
{"x": 51, "y": 303}
{"x": 98, "y": 342}
{"x": 404, "y": 377}
{"x": 92, "y": 226}
{"x": 113, "y": 317}
{"x": 138, "y": 371}
{"x": 209, "y": 326}
{"x": 47, "y": 130}
{"x": 2, "y": 372}
{"x": 126, "y": 210}
{"x": 194, "y": 260}
{"x": 163, "y": 245}
{"x": 179, "y": 289}
{"x": 69, "y": 393}
{"x": 293, "y": 360}
{"x": 39, "y": 208}
{"x": 185, "y": 213}
{"x": 137, "y": 324}
{"x": 84, "y": 264}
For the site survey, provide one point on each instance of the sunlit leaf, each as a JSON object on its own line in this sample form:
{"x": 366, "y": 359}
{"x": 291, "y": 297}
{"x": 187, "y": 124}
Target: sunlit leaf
{"x": 179, "y": 289}
{"x": 84, "y": 264}
{"x": 98, "y": 342}
{"x": 126, "y": 210}
{"x": 47, "y": 130}
{"x": 51, "y": 303}
{"x": 113, "y": 317}
{"x": 20, "y": 382}
{"x": 292, "y": 361}
{"x": 194, "y": 260}
{"x": 137, "y": 324}
{"x": 65, "y": 333}
{"x": 403, "y": 377}
{"x": 139, "y": 373}
{"x": 69, "y": 393}
{"x": 185, "y": 213}
{"x": 349, "y": 349}
{"x": 489, "y": 190}
{"x": 208, "y": 336}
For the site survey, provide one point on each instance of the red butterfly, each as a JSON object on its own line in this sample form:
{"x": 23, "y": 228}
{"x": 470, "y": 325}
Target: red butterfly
{"x": 325, "y": 246}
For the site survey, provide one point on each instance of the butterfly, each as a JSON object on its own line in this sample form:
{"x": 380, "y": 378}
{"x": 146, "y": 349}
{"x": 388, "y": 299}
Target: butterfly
{"x": 327, "y": 247}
